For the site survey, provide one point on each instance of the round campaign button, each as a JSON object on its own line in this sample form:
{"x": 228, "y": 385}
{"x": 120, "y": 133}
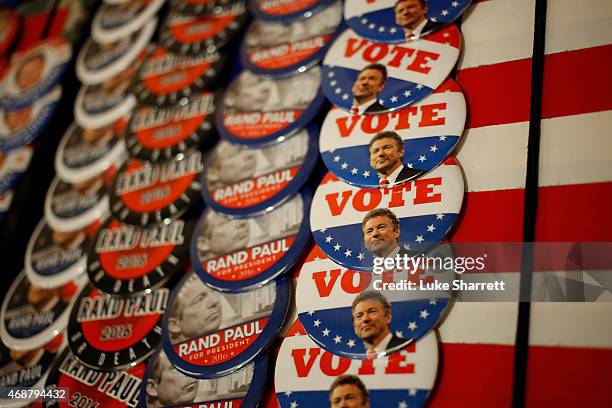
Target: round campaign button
{"x": 393, "y": 21}
{"x": 86, "y": 153}
{"x": 286, "y": 10}
{"x": 161, "y": 133}
{"x": 113, "y": 22}
{"x": 87, "y": 387}
{"x": 277, "y": 49}
{"x": 165, "y": 78}
{"x": 256, "y": 110}
{"x": 98, "y": 62}
{"x": 356, "y": 314}
{"x": 307, "y": 376}
{"x": 21, "y": 126}
{"x": 101, "y": 104}
{"x": 32, "y": 316}
{"x": 391, "y": 148}
{"x": 33, "y": 73}
{"x": 353, "y": 225}
{"x": 125, "y": 260}
{"x": 23, "y": 369}
{"x": 168, "y": 387}
{"x": 9, "y": 26}
{"x": 210, "y": 334}
{"x": 12, "y": 166}
{"x": 146, "y": 193}
{"x": 70, "y": 207}
{"x": 241, "y": 181}
{"x": 197, "y": 34}
{"x": 109, "y": 333}
{"x": 235, "y": 255}
{"x": 55, "y": 258}
{"x": 361, "y": 76}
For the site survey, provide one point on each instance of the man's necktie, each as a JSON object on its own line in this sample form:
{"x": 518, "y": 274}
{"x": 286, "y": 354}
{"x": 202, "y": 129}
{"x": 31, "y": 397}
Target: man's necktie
{"x": 354, "y": 110}
{"x": 408, "y": 35}
{"x": 384, "y": 183}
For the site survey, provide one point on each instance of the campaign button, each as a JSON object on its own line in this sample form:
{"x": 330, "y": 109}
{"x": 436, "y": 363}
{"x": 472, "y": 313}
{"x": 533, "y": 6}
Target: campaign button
{"x": 207, "y": 33}
{"x": 33, "y": 73}
{"x": 55, "y": 258}
{"x": 23, "y": 369}
{"x": 244, "y": 388}
{"x": 88, "y": 387}
{"x": 113, "y": 22}
{"x": 98, "y": 62}
{"x": 145, "y": 193}
{"x": 392, "y": 148}
{"x": 161, "y": 133}
{"x": 125, "y": 260}
{"x": 353, "y": 225}
{"x": 211, "y": 334}
{"x": 32, "y": 316}
{"x": 277, "y": 49}
{"x": 286, "y": 10}
{"x": 21, "y": 126}
{"x": 393, "y": 21}
{"x": 361, "y": 76}
{"x": 242, "y": 181}
{"x": 101, "y": 104}
{"x": 308, "y": 376}
{"x": 109, "y": 333}
{"x": 166, "y": 78}
{"x": 196, "y": 6}
{"x": 84, "y": 153}
{"x": 363, "y": 315}
{"x": 74, "y": 206}
{"x": 12, "y": 165}
{"x": 235, "y": 255}
{"x": 257, "y": 110}
{"x": 9, "y": 26}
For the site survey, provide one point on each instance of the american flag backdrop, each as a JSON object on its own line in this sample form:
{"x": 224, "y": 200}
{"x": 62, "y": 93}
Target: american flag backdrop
{"x": 570, "y": 344}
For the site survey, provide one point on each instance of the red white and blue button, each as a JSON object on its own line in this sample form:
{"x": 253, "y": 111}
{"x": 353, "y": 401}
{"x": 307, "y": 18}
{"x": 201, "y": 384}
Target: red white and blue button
{"x": 285, "y": 10}
{"x": 413, "y": 70}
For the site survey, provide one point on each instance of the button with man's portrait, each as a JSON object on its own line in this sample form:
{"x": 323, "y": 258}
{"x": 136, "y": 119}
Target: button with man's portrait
{"x": 21, "y": 126}
{"x": 84, "y": 153}
{"x": 235, "y": 255}
{"x": 33, "y": 73}
{"x": 168, "y": 387}
{"x": 355, "y": 226}
{"x": 278, "y": 49}
{"x": 206, "y": 33}
{"x": 9, "y": 26}
{"x": 166, "y": 78}
{"x": 25, "y": 369}
{"x": 98, "y": 62}
{"x": 286, "y": 10}
{"x": 54, "y": 258}
{"x": 242, "y": 181}
{"x": 361, "y": 76}
{"x": 12, "y": 165}
{"x": 145, "y": 193}
{"x": 356, "y": 315}
{"x": 84, "y": 385}
{"x": 391, "y": 148}
{"x": 257, "y": 111}
{"x": 308, "y": 376}
{"x": 74, "y": 206}
{"x": 124, "y": 260}
{"x": 113, "y": 22}
{"x": 211, "y": 334}
{"x": 160, "y": 133}
{"x": 110, "y": 333}
{"x": 393, "y": 21}
{"x": 32, "y": 316}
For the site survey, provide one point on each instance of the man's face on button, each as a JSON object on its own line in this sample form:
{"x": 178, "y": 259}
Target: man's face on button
{"x": 174, "y": 388}
{"x": 347, "y": 396}
{"x": 228, "y": 236}
{"x": 385, "y": 154}
{"x": 202, "y": 312}
{"x": 379, "y": 234}
{"x": 410, "y": 13}
{"x": 370, "y": 319}
{"x": 369, "y": 84}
